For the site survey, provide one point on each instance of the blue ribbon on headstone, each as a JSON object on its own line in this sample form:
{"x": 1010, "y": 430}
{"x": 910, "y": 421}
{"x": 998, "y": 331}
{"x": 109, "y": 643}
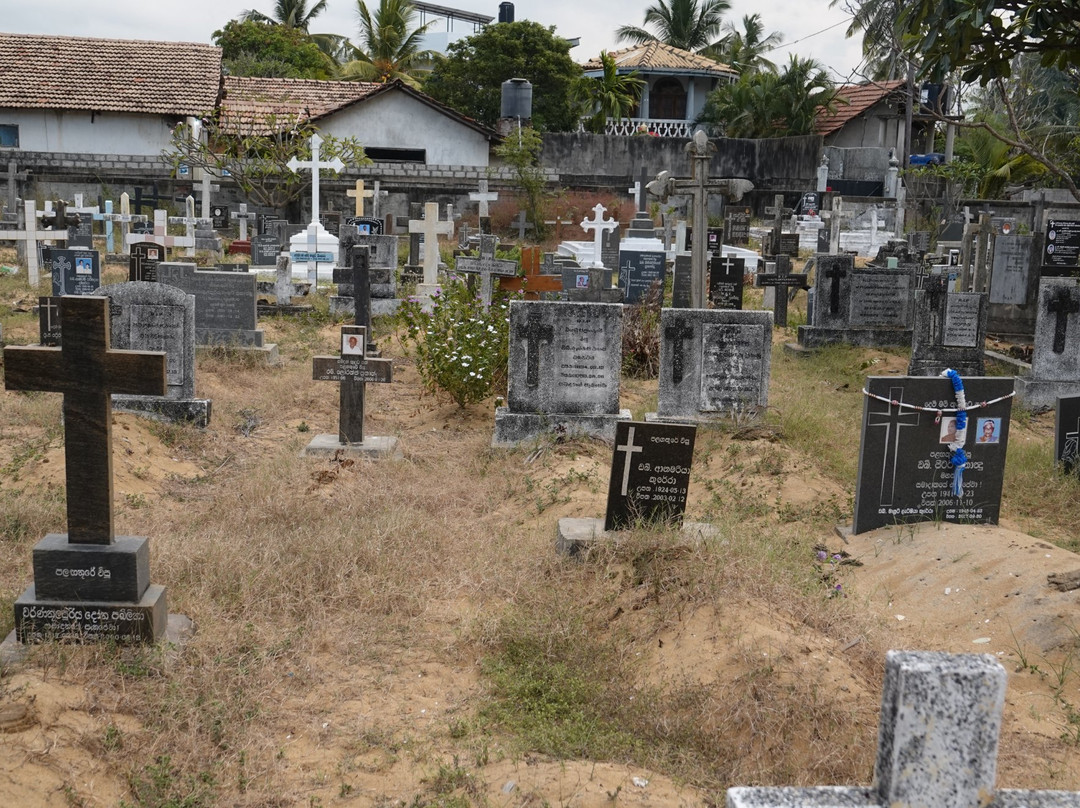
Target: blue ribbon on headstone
{"x": 958, "y": 458}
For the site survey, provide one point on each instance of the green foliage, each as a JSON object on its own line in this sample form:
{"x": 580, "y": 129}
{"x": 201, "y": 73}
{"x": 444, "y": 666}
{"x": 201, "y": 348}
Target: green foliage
{"x": 257, "y": 49}
{"x": 288, "y": 14}
{"x": 762, "y": 104}
{"x": 461, "y": 347}
{"x": 470, "y": 78}
{"x": 610, "y": 95}
{"x": 390, "y": 44}
{"x": 161, "y": 785}
{"x": 745, "y": 50}
{"x": 641, "y": 335}
{"x": 682, "y": 23}
{"x": 521, "y": 151}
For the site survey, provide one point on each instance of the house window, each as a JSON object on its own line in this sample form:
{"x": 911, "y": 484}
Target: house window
{"x": 9, "y": 136}
{"x": 381, "y": 155}
{"x": 667, "y": 100}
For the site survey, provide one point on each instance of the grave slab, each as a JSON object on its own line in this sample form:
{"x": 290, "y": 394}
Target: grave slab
{"x": 949, "y": 330}
{"x": 1055, "y": 361}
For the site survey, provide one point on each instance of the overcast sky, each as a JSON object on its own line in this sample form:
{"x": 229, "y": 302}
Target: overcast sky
{"x": 811, "y": 28}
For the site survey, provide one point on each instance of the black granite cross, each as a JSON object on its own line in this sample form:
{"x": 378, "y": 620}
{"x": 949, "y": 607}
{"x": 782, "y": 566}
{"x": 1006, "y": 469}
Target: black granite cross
{"x": 835, "y": 273}
{"x": 59, "y": 218}
{"x": 1062, "y": 302}
{"x": 679, "y": 333}
{"x": 87, "y": 372}
{"x": 782, "y": 280}
{"x": 353, "y": 371}
{"x": 892, "y": 415}
{"x": 534, "y": 332}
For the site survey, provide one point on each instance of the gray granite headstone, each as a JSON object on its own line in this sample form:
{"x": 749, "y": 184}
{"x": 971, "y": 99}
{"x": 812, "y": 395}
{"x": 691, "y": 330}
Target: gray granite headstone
{"x": 225, "y": 312}
{"x": 564, "y": 369}
{"x": 713, "y": 363}
{"x": 264, "y": 250}
{"x": 1055, "y": 361}
{"x": 681, "y": 282}
{"x": 1013, "y": 257}
{"x": 941, "y": 718}
{"x": 949, "y": 330}
{"x": 148, "y": 316}
{"x": 609, "y": 247}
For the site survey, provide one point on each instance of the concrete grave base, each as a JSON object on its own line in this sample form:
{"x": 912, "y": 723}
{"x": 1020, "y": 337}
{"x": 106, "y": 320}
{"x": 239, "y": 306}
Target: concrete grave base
{"x": 193, "y": 410}
{"x": 345, "y": 306}
{"x": 40, "y": 620}
{"x": 179, "y": 629}
{"x": 373, "y": 446}
{"x": 818, "y": 337}
{"x": 925, "y": 367}
{"x": 703, "y": 418}
{"x": 1037, "y": 394}
{"x": 574, "y": 535}
{"x": 267, "y": 353}
{"x": 512, "y": 428}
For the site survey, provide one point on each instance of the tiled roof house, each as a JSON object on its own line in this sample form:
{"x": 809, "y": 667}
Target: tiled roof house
{"x": 870, "y": 114}
{"x": 101, "y": 96}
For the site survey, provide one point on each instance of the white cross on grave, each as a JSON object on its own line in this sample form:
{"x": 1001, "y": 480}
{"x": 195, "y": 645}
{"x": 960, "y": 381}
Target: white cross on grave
{"x": 315, "y": 245}
{"x": 124, "y": 217}
{"x": 29, "y": 236}
{"x": 483, "y": 196}
{"x": 376, "y": 204}
{"x": 359, "y": 194}
{"x": 487, "y": 265}
{"x": 599, "y": 225}
{"x": 243, "y": 217}
{"x": 629, "y": 450}
{"x": 188, "y": 220}
{"x": 937, "y": 743}
{"x": 161, "y": 234}
{"x": 431, "y": 228}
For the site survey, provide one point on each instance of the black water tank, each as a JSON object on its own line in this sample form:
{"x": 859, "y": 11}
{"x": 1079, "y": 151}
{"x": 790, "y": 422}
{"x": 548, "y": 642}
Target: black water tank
{"x": 506, "y": 12}
{"x": 516, "y": 99}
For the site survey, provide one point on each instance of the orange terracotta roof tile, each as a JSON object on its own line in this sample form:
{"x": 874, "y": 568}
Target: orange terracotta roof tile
{"x": 860, "y": 98}
{"x": 658, "y": 57}
{"x": 108, "y": 75}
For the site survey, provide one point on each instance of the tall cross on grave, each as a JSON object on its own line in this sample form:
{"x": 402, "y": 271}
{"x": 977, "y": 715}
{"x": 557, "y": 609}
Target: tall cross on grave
{"x": 679, "y": 334}
{"x": 483, "y": 196}
{"x": 534, "y": 332}
{"x": 522, "y": 225}
{"x": 431, "y": 228}
{"x": 835, "y": 274}
{"x": 29, "y": 236}
{"x": 243, "y": 217}
{"x": 893, "y": 415}
{"x": 353, "y": 369}
{"x": 359, "y": 195}
{"x": 376, "y": 204}
{"x": 700, "y": 151}
{"x": 315, "y": 165}
{"x": 189, "y": 220}
{"x": 941, "y": 717}
{"x": 779, "y": 213}
{"x": 629, "y": 449}
{"x": 487, "y": 265}
{"x": 87, "y": 372}
{"x": 1062, "y": 302}
{"x": 599, "y": 225}
{"x": 638, "y": 190}
{"x": 782, "y": 280}
{"x": 13, "y": 177}
{"x": 124, "y": 218}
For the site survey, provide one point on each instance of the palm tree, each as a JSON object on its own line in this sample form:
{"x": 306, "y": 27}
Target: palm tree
{"x": 879, "y": 21}
{"x": 390, "y": 45}
{"x": 608, "y": 96}
{"x": 745, "y": 50}
{"x": 290, "y": 13}
{"x": 682, "y": 23}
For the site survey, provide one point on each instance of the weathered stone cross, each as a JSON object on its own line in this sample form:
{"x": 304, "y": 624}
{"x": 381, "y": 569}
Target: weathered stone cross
{"x": 243, "y": 217}
{"x": 937, "y": 743}
{"x": 189, "y": 220}
{"x": 87, "y": 372}
{"x": 30, "y": 236}
{"x": 487, "y": 265}
{"x": 679, "y": 333}
{"x": 483, "y": 196}
{"x": 534, "y": 332}
{"x": 1063, "y": 302}
{"x": 431, "y": 228}
{"x": 522, "y": 225}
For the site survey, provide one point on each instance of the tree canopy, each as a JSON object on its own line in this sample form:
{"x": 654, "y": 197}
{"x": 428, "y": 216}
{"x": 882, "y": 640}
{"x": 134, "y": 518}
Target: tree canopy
{"x": 256, "y": 49}
{"x": 684, "y": 24}
{"x": 290, "y": 13}
{"x": 389, "y": 44}
{"x": 610, "y": 95}
{"x": 470, "y": 77}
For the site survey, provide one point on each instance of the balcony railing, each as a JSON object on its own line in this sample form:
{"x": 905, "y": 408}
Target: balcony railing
{"x": 657, "y": 127}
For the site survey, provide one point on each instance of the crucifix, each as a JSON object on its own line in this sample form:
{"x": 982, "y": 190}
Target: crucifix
{"x": 835, "y": 273}
{"x": 598, "y": 225}
{"x": 359, "y": 194}
{"x": 782, "y": 280}
{"x": 30, "y": 236}
{"x": 353, "y": 369}
{"x": 1062, "y": 302}
{"x": 698, "y": 187}
{"x": 522, "y": 225}
{"x": 534, "y": 332}
{"x": 430, "y": 227}
{"x": 487, "y": 266}
{"x": 679, "y": 333}
{"x": 894, "y": 415}
{"x": 87, "y": 372}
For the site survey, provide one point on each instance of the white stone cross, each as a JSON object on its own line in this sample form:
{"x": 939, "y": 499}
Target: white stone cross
{"x": 599, "y": 225}
{"x": 189, "y": 221}
{"x": 359, "y": 194}
{"x": 487, "y": 265}
{"x": 124, "y": 217}
{"x": 629, "y": 450}
{"x": 243, "y": 217}
{"x": 431, "y": 228}
{"x": 376, "y": 205}
{"x": 160, "y": 234}
{"x": 483, "y": 196}
{"x": 314, "y": 165}
{"x": 30, "y": 235}
{"x": 937, "y": 743}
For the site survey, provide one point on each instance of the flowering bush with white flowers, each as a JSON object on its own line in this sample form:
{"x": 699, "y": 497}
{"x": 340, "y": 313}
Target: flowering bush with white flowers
{"x": 461, "y": 346}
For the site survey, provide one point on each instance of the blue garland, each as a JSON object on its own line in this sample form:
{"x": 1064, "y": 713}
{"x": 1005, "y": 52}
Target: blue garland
{"x": 958, "y": 458}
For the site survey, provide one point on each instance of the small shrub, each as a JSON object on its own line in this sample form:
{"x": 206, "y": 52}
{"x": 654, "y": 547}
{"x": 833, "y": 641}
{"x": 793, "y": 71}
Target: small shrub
{"x": 461, "y": 347}
{"x": 641, "y": 335}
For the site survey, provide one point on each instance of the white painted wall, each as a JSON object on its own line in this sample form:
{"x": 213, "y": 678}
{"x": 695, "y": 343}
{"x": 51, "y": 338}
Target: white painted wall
{"x": 79, "y": 132}
{"x": 395, "y": 120}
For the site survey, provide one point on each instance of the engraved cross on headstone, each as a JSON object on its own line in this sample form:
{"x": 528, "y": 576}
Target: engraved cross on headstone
{"x": 487, "y": 265}
{"x": 835, "y": 273}
{"x": 629, "y": 449}
{"x": 679, "y": 334}
{"x": 783, "y": 280}
{"x": 87, "y": 372}
{"x": 1062, "y": 303}
{"x": 893, "y": 415}
{"x": 534, "y": 332}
